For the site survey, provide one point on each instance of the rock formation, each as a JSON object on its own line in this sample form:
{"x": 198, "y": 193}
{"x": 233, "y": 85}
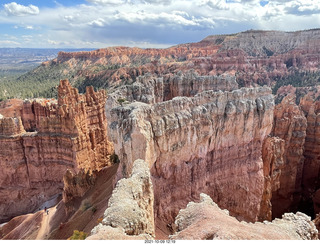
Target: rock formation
{"x": 152, "y": 89}
{"x": 273, "y": 151}
{"x": 49, "y": 138}
{"x": 296, "y": 122}
{"x": 254, "y": 57}
{"x": 290, "y": 125}
{"x": 130, "y": 212}
{"x": 193, "y": 144}
{"x": 180, "y": 111}
{"x": 206, "y": 221}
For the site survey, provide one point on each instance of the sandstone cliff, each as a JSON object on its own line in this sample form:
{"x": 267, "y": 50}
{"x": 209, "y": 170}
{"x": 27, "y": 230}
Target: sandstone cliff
{"x": 273, "y": 151}
{"x": 296, "y": 122}
{"x": 206, "y": 221}
{"x": 130, "y": 212}
{"x": 49, "y": 138}
{"x": 211, "y": 142}
{"x": 290, "y": 125}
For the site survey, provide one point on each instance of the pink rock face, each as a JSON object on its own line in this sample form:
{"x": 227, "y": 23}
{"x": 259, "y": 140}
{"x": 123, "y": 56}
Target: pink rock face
{"x": 273, "y": 151}
{"x": 290, "y": 125}
{"x": 208, "y": 143}
{"x": 49, "y": 138}
{"x": 298, "y": 126}
{"x": 311, "y": 170}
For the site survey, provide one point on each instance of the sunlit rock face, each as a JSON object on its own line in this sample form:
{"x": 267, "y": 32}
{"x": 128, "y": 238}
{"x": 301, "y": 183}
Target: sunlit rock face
{"x": 49, "y": 138}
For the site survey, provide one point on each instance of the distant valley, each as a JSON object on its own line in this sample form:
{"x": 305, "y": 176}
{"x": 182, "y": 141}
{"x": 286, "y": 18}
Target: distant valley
{"x": 19, "y": 60}
{"x": 15, "y": 62}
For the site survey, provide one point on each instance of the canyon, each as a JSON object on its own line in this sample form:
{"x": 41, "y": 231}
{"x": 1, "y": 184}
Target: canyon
{"x": 198, "y": 134}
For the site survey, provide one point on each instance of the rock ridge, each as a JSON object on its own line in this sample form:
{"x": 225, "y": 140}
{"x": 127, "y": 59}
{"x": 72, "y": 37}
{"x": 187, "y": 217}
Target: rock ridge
{"x": 130, "y": 209}
{"x": 206, "y": 221}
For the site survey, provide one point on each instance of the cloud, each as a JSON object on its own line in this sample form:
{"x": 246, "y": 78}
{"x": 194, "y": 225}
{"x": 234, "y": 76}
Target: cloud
{"x": 215, "y": 4}
{"x": 98, "y": 22}
{"x": 106, "y": 2}
{"x": 101, "y": 23}
{"x": 16, "y": 9}
{"x": 9, "y": 43}
{"x": 164, "y": 2}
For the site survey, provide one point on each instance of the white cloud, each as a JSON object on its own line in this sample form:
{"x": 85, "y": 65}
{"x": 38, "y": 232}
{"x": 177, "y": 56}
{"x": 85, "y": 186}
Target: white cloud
{"x": 9, "y": 43}
{"x": 106, "y": 2}
{"x": 159, "y": 22}
{"x": 215, "y": 4}
{"x": 164, "y": 2}
{"x": 98, "y": 22}
{"x": 16, "y": 9}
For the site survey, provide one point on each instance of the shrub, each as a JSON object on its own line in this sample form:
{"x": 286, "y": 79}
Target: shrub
{"x": 86, "y": 205}
{"x": 94, "y": 209}
{"x": 78, "y": 235}
{"x": 121, "y": 100}
{"x": 114, "y": 158}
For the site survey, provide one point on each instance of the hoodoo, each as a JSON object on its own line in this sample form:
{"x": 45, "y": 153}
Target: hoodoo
{"x": 48, "y": 139}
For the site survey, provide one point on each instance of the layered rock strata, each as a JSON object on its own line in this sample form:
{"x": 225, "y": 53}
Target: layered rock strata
{"x": 130, "y": 209}
{"x": 290, "y": 125}
{"x": 49, "y": 138}
{"x": 296, "y": 121}
{"x": 254, "y": 57}
{"x": 206, "y": 221}
{"x": 273, "y": 151}
{"x": 211, "y": 142}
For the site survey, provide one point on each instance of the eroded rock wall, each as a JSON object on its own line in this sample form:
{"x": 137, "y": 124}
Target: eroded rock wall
{"x": 49, "y": 138}
{"x": 297, "y": 123}
{"x": 290, "y": 125}
{"x": 273, "y": 150}
{"x": 211, "y": 142}
{"x": 153, "y": 89}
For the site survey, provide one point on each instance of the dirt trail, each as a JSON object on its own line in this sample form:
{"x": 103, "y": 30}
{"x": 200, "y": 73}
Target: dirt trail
{"x": 45, "y": 224}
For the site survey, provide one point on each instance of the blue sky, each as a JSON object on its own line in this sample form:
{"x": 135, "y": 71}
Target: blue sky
{"x": 144, "y": 23}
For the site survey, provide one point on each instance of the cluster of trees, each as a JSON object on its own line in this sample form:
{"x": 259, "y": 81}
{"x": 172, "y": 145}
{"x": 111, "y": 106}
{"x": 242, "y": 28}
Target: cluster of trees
{"x": 12, "y": 87}
{"x": 43, "y": 82}
{"x": 297, "y": 79}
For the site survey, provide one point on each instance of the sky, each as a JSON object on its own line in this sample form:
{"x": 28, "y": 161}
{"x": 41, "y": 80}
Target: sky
{"x": 144, "y": 23}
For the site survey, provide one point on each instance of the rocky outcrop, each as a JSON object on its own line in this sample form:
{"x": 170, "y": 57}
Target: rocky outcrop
{"x": 311, "y": 170}
{"x": 206, "y": 221}
{"x": 296, "y": 122}
{"x": 211, "y": 142}
{"x": 290, "y": 125}
{"x": 50, "y": 137}
{"x": 273, "y": 150}
{"x": 130, "y": 212}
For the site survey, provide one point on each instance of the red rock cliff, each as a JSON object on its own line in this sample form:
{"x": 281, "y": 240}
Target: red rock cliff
{"x": 68, "y": 134}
